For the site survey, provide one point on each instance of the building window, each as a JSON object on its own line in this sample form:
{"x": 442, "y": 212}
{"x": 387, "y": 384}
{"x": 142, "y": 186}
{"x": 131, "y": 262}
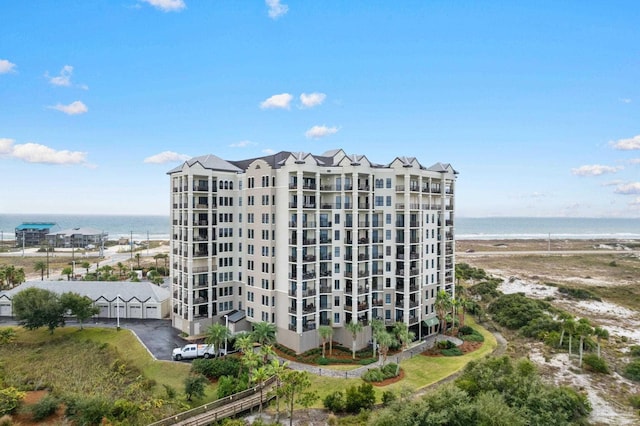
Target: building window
{"x": 387, "y": 299}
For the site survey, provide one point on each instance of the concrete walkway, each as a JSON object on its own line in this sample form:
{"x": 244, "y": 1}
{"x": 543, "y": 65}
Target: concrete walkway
{"x": 415, "y": 349}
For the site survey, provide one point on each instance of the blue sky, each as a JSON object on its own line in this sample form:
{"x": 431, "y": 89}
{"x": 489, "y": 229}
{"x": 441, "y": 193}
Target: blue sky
{"x": 536, "y": 105}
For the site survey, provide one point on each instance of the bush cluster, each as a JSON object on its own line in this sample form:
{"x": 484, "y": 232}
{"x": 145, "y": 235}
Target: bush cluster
{"x": 578, "y": 293}
{"x": 380, "y": 374}
{"x": 632, "y": 370}
{"x": 217, "y": 367}
{"x": 44, "y": 408}
{"x": 469, "y": 334}
{"x": 354, "y": 399}
{"x": 593, "y": 363}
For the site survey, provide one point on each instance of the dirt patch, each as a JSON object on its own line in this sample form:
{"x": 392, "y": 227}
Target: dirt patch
{"x": 23, "y": 417}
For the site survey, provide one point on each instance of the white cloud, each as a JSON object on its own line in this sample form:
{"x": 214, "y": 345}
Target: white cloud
{"x": 242, "y": 144}
{"x": 268, "y": 151}
{"x": 37, "y": 153}
{"x": 594, "y": 170}
{"x": 635, "y": 203}
{"x": 312, "y": 99}
{"x": 628, "y": 188}
{"x": 64, "y": 79}
{"x": 74, "y": 108}
{"x": 167, "y": 5}
{"x": 283, "y": 100}
{"x": 634, "y": 161}
{"x": 317, "y": 132}
{"x": 276, "y": 9}
{"x": 625, "y": 100}
{"x": 6, "y": 66}
{"x": 166, "y": 157}
{"x": 627, "y": 144}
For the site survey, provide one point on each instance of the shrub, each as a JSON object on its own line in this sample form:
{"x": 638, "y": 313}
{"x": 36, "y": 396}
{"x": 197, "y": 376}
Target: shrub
{"x": 578, "y": 293}
{"x": 215, "y": 368}
{"x": 473, "y": 338}
{"x": 451, "y": 352}
{"x": 635, "y": 350}
{"x": 593, "y": 363}
{"x": 194, "y": 386}
{"x": 228, "y": 385}
{"x": 632, "y": 370}
{"x": 388, "y": 397}
{"x": 87, "y": 411}
{"x": 6, "y": 420}
{"x": 44, "y": 408}
{"x": 464, "y": 330}
{"x": 334, "y": 402}
{"x": 10, "y": 400}
{"x": 359, "y": 397}
{"x": 445, "y": 344}
{"x": 374, "y": 375}
{"x": 390, "y": 370}
{"x": 124, "y": 409}
{"x": 634, "y": 400}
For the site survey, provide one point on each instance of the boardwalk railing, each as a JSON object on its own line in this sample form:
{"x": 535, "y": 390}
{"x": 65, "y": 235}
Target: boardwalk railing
{"x": 220, "y": 408}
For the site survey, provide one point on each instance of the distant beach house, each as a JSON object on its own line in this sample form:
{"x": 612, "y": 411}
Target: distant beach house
{"x": 76, "y": 237}
{"x": 121, "y": 299}
{"x": 30, "y": 234}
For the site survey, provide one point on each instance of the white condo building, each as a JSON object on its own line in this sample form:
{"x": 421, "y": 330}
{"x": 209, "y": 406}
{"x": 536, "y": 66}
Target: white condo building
{"x": 303, "y": 240}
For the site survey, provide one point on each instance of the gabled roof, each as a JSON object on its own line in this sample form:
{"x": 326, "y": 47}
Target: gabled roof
{"x": 95, "y": 290}
{"x": 442, "y": 168}
{"x": 210, "y": 162}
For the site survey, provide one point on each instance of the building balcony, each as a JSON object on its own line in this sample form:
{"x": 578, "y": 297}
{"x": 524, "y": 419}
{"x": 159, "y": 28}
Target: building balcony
{"x": 325, "y": 289}
{"x": 325, "y": 273}
{"x": 309, "y": 326}
{"x": 308, "y": 258}
{"x": 308, "y": 242}
{"x": 376, "y": 302}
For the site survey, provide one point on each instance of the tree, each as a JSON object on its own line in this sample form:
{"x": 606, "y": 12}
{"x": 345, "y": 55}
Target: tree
{"x": 86, "y": 265}
{"x": 385, "y": 340}
{"x": 465, "y": 305}
{"x": 67, "y": 270}
{"x": 194, "y": 386}
{"x": 600, "y": 333}
{"x": 325, "y": 332}
{"x": 294, "y": 385}
{"x": 79, "y": 306}
{"x": 121, "y": 268}
{"x": 12, "y": 276}
{"x": 570, "y": 326}
{"x": 217, "y": 334}
{"x": 36, "y": 307}
{"x": 442, "y": 306}
{"x": 264, "y": 333}
{"x": 40, "y": 266}
{"x": 266, "y": 351}
{"x": 564, "y": 316}
{"x": 278, "y": 370}
{"x": 377, "y": 326}
{"x": 403, "y": 334}
{"x": 138, "y": 256}
{"x": 244, "y": 343}
{"x": 354, "y": 328}
{"x": 260, "y": 375}
{"x": 583, "y": 329}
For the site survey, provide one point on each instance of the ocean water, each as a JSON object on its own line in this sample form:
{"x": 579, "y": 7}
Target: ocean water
{"x": 545, "y": 227}
{"x": 158, "y": 227}
{"x": 141, "y": 227}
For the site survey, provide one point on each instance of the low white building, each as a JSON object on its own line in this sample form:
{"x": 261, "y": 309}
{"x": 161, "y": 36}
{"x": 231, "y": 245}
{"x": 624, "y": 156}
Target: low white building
{"x": 122, "y": 299}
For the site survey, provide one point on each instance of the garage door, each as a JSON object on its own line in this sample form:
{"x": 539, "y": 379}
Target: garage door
{"x": 5, "y": 310}
{"x": 135, "y": 311}
{"x": 104, "y": 311}
{"x": 152, "y": 312}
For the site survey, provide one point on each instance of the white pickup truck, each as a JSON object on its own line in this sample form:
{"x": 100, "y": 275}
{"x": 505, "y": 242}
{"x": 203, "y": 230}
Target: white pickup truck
{"x": 192, "y": 351}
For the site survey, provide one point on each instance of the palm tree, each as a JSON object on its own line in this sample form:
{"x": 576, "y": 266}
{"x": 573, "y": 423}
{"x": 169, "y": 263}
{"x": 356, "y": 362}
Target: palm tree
{"x": 264, "y": 333}
{"x": 403, "y": 334}
{"x": 377, "y": 327}
{"x": 259, "y": 376}
{"x": 40, "y": 266}
{"x": 138, "y": 259}
{"x": 455, "y": 304}
{"x": 354, "y": 328}
{"x": 86, "y": 265}
{"x": 278, "y": 370}
{"x": 443, "y": 304}
{"x": 216, "y": 336}
{"x": 325, "y": 332}
{"x": 67, "y": 271}
{"x": 584, "y": 330}
{"x": 121, "y": 268}
{"x": 600, "y": 333}
{"x": 385, "y": 340}
{"x": 570, "y": 326}
{"x": 564, "y": 316}
{"x": 266, "y": 351}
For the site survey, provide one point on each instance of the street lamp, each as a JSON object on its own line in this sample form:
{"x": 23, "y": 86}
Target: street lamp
{"x": 118, "y": 312}
{"x": 226, "y": 324}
